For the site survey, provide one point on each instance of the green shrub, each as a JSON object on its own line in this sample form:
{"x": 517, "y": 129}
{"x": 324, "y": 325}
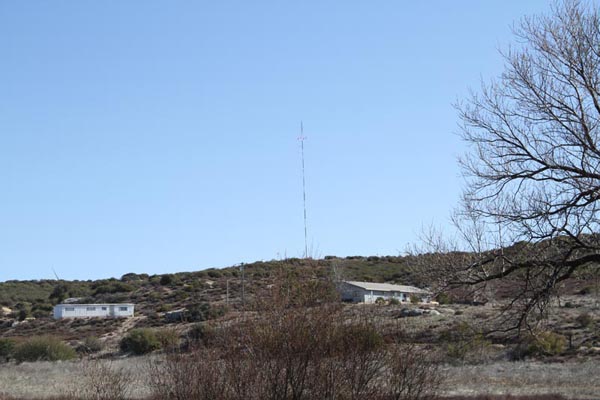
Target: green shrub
{"x": 380, "y": 300}
{"x": 112, "y": 287}
{"x": 394, "y": 301}
{"x": 550, "y": 343}
{"x": 543, "y": 344}
{"x": 43, "y": 348}
{"x": 443, "y": 298}
{"x": 140, "y": 341}
{"x": 214, "y": 274}
{"x": 166, "y": 280}
{"x": 202, "y": 312}
{"x": 7, "y": 347}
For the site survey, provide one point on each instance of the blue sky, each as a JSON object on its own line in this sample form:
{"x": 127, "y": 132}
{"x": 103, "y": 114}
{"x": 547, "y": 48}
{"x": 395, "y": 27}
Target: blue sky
{"x": 160, "y": 136}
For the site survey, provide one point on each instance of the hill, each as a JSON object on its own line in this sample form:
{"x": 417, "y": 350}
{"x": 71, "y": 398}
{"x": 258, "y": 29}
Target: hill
{"x": 159, "y": 293}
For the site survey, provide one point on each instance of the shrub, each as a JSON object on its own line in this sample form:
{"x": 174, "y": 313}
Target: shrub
{"x": 166, "y": 280}
{"x": 100, "y": 380}
{"x": 202, "y": 312}
{"x": 413, "y": 374}
{"x": 299, "y": 346}
{"x": 443, "y": 298}
{"x": 91, "y": 344}
{"x": 214, "y": 274}
{"x": 380, "y": 300}
{"x": 542, "y": 344}
{"x": 585, "y": 320}
{"x": 394, "y": 301}
{"x": 464, "y": 343}
{"x": 549, "y": 343}
{"x": 140, "y": 341}
{"x": 7, "y": 347}
{"x": 168, "y": 339}
{"x": 22, "y": 314}
{"x": 43, "y": 348}
{"x": 198, "y": 334}
{"x": 113, "y": 287}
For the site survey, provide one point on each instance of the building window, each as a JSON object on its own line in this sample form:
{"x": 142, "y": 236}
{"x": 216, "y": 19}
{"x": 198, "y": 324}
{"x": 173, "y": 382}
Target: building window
{"x": 90, "y": 308}
{"x": 104, "y": 308}
{"x": 122, "y": 308}
{"x": 67, "y": 309}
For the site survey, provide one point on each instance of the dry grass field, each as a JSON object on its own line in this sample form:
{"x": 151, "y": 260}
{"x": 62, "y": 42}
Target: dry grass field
{"x": 473, "y": 363}
{"x": 574, "y": 380}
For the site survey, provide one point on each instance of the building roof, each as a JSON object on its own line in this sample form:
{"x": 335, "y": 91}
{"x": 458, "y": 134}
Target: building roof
{"x": 387, "y": 287}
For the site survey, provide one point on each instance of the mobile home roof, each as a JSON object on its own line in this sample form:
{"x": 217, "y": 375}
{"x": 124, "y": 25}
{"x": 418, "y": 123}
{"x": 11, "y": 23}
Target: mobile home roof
{"x": 387, "y": 287}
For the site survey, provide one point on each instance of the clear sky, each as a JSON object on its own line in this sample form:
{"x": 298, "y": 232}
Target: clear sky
{"x": 160, "y": 136}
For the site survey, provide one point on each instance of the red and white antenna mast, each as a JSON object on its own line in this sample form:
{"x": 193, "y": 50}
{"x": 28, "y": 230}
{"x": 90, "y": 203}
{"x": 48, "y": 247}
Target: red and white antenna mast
{"x": 302, "y": 138}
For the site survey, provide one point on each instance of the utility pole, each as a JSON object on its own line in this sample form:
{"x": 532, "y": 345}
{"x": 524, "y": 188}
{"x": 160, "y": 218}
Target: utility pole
{"x": 243, "y": 288}
{"x": 302, "y": 138}
{"x": 227, "y": 295}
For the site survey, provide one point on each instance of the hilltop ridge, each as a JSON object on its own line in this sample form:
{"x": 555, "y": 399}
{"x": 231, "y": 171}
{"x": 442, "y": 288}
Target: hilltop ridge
{"x": 164, "y": 292}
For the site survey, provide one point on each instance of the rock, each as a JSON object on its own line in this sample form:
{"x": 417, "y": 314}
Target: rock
{"x": 406, "y": 312}
{"x": 417, "y": 312}
{"x": 447, "y": 311}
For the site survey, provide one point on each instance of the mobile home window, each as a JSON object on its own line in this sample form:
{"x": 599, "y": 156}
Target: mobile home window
{"x": 69, "y": 308}
{"x": 104, "y": 308}
{"x": 91, "y": 308}
{"x": 122, "y": 308}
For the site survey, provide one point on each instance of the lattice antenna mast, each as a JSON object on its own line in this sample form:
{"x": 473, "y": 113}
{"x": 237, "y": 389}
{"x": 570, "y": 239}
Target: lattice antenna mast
{"x": 302, "y": 138}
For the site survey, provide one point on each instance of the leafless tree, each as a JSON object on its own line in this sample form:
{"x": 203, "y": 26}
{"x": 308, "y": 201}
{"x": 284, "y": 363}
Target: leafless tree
{"x": 533, "y": 165}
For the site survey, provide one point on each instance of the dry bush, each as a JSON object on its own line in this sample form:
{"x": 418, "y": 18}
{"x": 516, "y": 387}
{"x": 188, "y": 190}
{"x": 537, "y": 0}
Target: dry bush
{"x": 47, "y": 348}
{"x": 297, "y": 347}
{"x": 191, "y": 376}
{"x": 101, "y": 380}
{"x": 413, "y": 373}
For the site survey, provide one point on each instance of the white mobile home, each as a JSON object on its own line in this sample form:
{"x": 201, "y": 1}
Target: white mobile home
{"x": 93, "y": 310}
{"x": 368, "y": 292}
